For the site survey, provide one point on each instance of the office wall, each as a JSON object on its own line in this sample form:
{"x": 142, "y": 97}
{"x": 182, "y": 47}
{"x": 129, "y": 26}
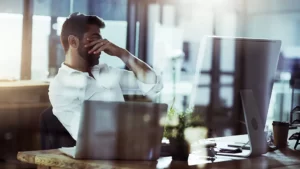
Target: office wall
{"x": 274, "y": 19}
{"x": 258, "y": 6}
{"x": 275, "y": 26}
{"x": 11, "y": 6}
{"x": 198, "y": 19}
{"x": 109, "y": 9}
{"x": 43, "y": 7}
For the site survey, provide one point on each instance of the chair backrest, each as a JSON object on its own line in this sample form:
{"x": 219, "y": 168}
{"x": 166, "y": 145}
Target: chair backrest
{"x": 53, "y": 133}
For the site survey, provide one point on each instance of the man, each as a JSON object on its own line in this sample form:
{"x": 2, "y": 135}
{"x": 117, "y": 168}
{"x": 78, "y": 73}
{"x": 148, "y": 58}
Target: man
{"x": 81, "y": 77}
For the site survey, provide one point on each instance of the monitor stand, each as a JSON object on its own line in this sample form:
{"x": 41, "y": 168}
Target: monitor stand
{"x": 254, "y": 124}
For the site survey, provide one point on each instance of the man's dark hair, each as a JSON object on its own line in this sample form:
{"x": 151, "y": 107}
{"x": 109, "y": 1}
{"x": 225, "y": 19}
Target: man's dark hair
{"x": 77, "y": 24}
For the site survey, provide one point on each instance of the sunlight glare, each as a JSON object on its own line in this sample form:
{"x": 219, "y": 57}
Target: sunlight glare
{"x": 10, "y": 45}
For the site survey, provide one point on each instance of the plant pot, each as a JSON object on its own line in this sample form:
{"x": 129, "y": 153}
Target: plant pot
{"x": 179, "y": 149}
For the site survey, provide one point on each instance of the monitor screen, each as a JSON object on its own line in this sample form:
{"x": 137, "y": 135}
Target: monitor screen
{"x": 233, "y": 65}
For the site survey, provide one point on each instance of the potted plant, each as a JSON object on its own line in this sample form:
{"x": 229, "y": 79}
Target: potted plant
{"x": 175, "y": 129}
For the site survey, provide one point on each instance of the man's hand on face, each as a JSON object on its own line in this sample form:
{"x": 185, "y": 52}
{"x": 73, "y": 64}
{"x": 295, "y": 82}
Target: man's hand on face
{"x": 97, "y": 46}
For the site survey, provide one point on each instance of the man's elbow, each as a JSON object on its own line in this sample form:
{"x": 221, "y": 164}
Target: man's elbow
{"x": 156, "y": 89}
{"x": 160, "y": 87}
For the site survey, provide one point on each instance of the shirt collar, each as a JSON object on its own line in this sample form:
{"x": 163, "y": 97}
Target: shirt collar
{"x": 71, "y": 70}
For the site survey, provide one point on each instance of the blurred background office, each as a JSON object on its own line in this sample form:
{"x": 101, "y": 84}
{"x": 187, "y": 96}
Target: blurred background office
{"x": 164, "y": 33}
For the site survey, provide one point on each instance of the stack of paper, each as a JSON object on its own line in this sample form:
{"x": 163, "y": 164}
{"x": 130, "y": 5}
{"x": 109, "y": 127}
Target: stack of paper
{"x": 69, "y": 151}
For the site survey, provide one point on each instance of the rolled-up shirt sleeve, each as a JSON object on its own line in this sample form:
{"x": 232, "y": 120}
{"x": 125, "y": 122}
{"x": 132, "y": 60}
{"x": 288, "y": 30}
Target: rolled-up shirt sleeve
{"x": 67, "y": 110}
{"x": 67, "y": 98}
{"x": 129, "y": 82}
{"x": 151, "y": 89}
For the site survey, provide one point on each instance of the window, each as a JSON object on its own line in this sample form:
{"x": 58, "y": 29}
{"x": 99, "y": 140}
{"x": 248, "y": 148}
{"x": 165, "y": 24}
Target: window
{"x": 40, "y": 47}
{"x": 10, "y": 45}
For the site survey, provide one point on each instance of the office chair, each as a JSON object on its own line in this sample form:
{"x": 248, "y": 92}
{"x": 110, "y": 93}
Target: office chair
{"x": 53, "y": 133}
{"x": 295, "y": 136}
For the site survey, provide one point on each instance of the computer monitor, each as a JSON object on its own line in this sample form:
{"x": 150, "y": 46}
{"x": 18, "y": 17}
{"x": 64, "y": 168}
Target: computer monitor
{"x": 253, "y": 67}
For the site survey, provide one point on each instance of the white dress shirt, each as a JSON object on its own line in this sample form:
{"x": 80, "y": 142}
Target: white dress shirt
{"x": 69, "y": 89}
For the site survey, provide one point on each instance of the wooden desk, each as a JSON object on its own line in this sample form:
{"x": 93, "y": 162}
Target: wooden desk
{"x": 279, "y": 159}
{"x": 55, "y": 159}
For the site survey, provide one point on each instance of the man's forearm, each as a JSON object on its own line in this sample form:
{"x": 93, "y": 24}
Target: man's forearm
{"x": 142, "y": 71}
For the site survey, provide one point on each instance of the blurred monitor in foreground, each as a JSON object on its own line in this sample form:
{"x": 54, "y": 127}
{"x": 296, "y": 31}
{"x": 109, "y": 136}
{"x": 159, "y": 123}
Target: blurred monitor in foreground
{"x": 253, "y": 67}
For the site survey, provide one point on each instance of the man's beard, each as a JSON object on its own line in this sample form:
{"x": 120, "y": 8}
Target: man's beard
{"x": 91, "y": 59}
